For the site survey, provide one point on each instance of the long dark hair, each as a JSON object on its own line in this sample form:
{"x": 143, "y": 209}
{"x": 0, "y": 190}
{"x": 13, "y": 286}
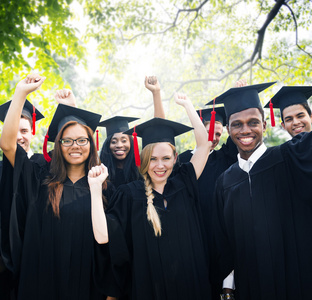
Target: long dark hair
{"x": 130, "y": 170}
{"x": 58, "y": 164}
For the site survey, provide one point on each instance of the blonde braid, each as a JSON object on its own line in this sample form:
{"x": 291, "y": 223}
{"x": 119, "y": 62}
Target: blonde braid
{"x": 151, "y": 212}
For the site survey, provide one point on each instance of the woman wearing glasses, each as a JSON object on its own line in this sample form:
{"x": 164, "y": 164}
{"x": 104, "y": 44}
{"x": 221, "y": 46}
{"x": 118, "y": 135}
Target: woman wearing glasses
{"x": 50, "y": 231}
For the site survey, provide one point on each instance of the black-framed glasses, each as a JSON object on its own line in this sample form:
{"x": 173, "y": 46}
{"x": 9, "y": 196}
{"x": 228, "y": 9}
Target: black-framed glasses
{"x": 69, "y": 142}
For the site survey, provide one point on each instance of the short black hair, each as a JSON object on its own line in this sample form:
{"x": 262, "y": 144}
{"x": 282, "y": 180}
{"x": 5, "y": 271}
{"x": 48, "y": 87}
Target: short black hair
{"x": 305, "y": 106}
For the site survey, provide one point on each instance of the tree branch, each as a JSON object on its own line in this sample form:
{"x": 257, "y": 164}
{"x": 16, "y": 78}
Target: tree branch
{"x": 296, "y": 29}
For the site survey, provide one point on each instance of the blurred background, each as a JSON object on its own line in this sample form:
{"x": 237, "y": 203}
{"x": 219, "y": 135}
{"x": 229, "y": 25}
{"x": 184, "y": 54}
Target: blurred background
{"x": 102, "y": 50}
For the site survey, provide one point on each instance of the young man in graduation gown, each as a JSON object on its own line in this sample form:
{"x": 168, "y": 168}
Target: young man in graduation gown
{"x": 294, "y": 108}
{"x": 263, "y": 217}
{"x": 25, "y": 134}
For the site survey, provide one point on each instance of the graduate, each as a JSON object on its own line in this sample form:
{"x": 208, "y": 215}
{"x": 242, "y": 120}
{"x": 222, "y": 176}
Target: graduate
{"x": 117, "y": 151}
{"x": 26, "y": 131}
{"x": 152, "y": 228}
{"x": 263, "y": 217}
{"x": 50, "y": 223}
{"x": 294, "y": 108}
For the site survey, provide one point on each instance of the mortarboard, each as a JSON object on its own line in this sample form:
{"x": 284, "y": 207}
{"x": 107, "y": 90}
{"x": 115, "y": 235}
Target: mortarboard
{"x": 64, "y": 114}
{"x": 28, "y": 110}
{"x": 116, "y": 124}
{"x": 240, "y": 98}
{"x": 205, "y": 114}
{"x": 290, "y": 95}
{"x": 156, "y": 130}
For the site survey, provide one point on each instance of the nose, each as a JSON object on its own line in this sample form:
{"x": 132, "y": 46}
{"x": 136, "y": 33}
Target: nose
{"x": 245, "y": 129}
{"x": 296, "y": 121}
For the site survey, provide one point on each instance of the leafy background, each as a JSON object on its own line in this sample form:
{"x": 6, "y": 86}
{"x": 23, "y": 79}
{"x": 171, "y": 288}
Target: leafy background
{"x": 103, "y": 49}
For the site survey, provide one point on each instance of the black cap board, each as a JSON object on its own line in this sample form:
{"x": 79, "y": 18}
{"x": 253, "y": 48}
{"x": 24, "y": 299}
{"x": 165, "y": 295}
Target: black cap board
{"x": 290, "y": 95}
{"x": 240, "y": 98}
{"x": 27, "y": 111}
{"x": 116, "y": 124}
{"x": 159, "y": 130}
{"x": 65, "y": 113}
{"x": 220, "y": 114}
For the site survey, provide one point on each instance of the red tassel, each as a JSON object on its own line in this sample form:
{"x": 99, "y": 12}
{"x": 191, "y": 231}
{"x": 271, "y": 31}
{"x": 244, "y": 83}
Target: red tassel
{"x": 44, "y": 150}
{"x": 97, "y": 140}
{"x": 136, "y": 148}
{"x": 34, "y": 120}
{"x": 200, "y": 115}
{"x": 272, "y": 114}
{"x": 212, "y": 123}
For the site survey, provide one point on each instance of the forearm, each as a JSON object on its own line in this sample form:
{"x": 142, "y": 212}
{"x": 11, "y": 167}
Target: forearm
{"x": 200, "y": 132}
{"x": 158, "y": 105}
{"x": 99, "y": 223}
{"x": 11, "y": 124}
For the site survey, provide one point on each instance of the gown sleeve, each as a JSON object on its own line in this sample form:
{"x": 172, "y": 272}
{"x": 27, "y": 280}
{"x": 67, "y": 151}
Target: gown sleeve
{"x": 112, "y": 260}
{"x": 22, "y": 192}
{"x": 298, "y": 157}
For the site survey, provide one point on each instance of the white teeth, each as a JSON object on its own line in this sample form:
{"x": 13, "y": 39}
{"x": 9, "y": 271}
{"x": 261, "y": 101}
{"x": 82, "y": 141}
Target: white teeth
{"x": 160, "y": 172}
{"x": 75, "y": 154}
{"x": 246, "y": 140}
{"x": 119, "y": 152}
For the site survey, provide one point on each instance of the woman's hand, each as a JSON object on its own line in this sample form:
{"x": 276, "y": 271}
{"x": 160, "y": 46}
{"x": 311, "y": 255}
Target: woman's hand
{"x": 182, "y": 99}
{"x": 152, "y": 84}
{"x": 97, "y": 175}
{"x": 65, "y": 96}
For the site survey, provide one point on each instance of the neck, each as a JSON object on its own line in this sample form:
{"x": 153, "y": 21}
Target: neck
{"x": 75, "y": 172}
{"x": 120, "y": 164}
{"x": 159, "y": 187}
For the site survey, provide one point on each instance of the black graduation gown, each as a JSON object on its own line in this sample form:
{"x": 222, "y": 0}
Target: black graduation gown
{"x": 51, "y": 256}
{"x": 263, "y": 224}
{"x": 7, "y": 282}
{"x": 218, "y": 161}
{"x": 172, "y": 266}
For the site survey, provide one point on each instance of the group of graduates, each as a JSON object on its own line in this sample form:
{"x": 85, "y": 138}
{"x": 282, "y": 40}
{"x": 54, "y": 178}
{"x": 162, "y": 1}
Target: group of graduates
{"x": 234, "y": 222}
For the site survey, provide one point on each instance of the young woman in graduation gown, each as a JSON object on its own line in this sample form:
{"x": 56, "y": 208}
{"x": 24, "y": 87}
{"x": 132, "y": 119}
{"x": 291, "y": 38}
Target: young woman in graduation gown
{"x": 117, "y": 151}
{"x": 50, "y": 224}
{"x": 153, "y": 229}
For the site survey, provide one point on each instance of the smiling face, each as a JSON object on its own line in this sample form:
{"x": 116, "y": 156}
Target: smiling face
{"x": 120, "y": 145}
{"x": 161, "y": 163}
{"x": 246, "y": 129}
{"x": 24, "y": 134}
{"x": 296, "y": 119}
{"x": 217, "y": 133}
{"x": 75, "y": 155}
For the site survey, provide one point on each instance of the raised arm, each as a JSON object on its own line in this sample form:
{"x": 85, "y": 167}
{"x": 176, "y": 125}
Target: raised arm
{"x": 152, "y": 84}
{"x": 96, "y": 176}
{"x": 201, "y": 153}
{"x": 11, "y": 122}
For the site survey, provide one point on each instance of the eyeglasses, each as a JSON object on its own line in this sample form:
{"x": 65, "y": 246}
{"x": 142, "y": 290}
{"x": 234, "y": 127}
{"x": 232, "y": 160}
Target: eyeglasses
{"x": 70, "y": 142}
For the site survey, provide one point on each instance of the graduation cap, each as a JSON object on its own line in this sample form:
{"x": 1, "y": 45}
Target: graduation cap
{"x": 154, "y": 131}
{"x": 64, "y": 114}
{"x": 116, "y": 124}
{"x": 205, "y": 114}
{"x": 289, "y": 95}
{"x": 28, "y": 110}
{"x": 241, "y": 98}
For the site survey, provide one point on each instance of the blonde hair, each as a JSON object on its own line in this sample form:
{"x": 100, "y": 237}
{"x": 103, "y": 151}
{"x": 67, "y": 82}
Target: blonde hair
{"x": 151, "y": 212}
